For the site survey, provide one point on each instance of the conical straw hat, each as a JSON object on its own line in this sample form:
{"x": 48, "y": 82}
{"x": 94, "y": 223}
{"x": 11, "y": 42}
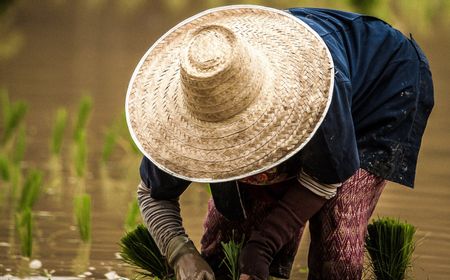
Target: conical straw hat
{"x": 229, "y": 93}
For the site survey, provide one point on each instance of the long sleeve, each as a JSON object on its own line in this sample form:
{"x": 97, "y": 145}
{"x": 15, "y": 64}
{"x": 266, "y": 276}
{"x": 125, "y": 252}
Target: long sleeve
{"x": 161, "y": 216}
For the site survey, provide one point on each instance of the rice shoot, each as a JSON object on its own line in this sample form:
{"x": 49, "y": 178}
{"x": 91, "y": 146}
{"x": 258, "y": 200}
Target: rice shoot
{"x": 80, "y": 154}
{"x": 24, "y": 227}
{"x": 13, "y": 116}
{"x": 31, "y": 190}
{"x": 82, "y": 204}
{"x": 109, "y": 144}
{"x": 390, "y": 246}
{"x": 84, "y": 110}
{"x": 133, "y": 215}
{"x": 5, "y": 174}
{"x": 231, "y": 250}
{"x": 127, "y": 136}
{"x": 59, "y": 127}
{"x": 19, "y": 147}
{"x": 139, "y": 250}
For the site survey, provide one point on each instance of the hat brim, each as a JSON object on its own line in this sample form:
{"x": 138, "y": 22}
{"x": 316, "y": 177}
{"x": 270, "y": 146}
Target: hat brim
{"x": 289, "y": 109}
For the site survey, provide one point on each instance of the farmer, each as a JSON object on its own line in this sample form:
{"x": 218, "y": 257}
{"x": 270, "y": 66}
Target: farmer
{"x": 292, "y": 116}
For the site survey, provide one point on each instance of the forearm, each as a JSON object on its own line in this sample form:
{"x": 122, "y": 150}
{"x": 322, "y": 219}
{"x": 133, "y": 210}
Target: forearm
{"x": 162, "y": 217}
{"x": 290, "y": 213}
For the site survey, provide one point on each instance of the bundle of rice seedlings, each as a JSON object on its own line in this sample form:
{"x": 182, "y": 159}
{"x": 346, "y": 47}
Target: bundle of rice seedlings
{"x": 59, "y": 126}
{"x": 24, "y": 227}
{"x": 84, "y": 110}
{"x": 139, "y": 250}
{"x": 31, "y": 190}
{"x": 390, "y": 246}
{"x": 232, "y": 250}
{"x": 82, "y": 204}
{"x": 133, "y": 215}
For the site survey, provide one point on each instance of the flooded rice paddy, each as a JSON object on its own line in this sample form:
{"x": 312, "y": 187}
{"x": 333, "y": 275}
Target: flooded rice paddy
{"x": 64, "y": 50}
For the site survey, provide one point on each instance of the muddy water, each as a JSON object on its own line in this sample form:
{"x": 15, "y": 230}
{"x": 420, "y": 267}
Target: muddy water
{"x": 72, "y": 48}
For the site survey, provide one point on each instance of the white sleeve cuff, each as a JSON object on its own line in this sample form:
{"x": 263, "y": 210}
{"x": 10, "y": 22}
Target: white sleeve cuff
{"x": 326, "y": 191}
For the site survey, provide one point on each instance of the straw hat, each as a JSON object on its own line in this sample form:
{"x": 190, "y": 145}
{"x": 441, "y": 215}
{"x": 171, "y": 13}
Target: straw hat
{"x": 229, "y": 93}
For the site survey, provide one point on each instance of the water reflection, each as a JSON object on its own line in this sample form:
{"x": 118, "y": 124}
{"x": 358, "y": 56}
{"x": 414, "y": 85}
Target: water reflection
{"x": 67, "y": 48}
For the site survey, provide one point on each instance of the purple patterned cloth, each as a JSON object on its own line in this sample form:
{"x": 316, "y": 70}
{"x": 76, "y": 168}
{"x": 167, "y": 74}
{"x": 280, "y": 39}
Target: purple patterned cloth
{"x": 337, "y": 230}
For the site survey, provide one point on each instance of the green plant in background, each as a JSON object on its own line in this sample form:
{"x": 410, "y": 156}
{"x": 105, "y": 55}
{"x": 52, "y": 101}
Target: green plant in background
{"x": 109, "y": 144}
{"x": 13, "y": 114}
{"x": 80, "y": 154}
{"x": 59, "y": 127}
{"x": 232, "y": 250}
{"x": 133, "y": 215}
{"x": 84, "y": 110}
{"x": 20, "y": 146}
{"x": 24, "y": 227}
{"x": 4, "y": 168}
{"x": 31, "y": 190}
{"x": 82, "y": 204}
{"x": 390, "y": 244}
{"x": 126, "y": 134}
{"x": 139, "y": 250}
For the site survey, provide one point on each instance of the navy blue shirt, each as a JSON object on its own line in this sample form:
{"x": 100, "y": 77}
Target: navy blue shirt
{"x": 383, "y": 95}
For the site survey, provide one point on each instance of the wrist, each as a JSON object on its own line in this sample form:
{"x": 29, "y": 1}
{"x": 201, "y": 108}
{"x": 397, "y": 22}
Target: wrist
{"x": 179, "y": 246}
{"x": 254, "y": 261}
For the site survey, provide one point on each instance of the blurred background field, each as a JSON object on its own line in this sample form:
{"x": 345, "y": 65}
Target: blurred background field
{"x": 68, "y": 171}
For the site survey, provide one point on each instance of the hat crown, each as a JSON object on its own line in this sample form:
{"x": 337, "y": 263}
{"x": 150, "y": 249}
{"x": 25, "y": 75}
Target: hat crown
{"x": 210, "y": 49}
{"x": 219, "y": 76}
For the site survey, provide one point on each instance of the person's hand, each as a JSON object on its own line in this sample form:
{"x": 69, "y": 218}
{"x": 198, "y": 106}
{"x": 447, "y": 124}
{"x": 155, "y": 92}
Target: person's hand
{"x": 246, "y": 277}
{"x": 186, "y": 261}
{"x": 281, "y": 225}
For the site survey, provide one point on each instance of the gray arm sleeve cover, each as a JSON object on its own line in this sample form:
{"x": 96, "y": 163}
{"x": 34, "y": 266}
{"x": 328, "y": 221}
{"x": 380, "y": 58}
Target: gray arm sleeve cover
{"x": 162, "y": 217}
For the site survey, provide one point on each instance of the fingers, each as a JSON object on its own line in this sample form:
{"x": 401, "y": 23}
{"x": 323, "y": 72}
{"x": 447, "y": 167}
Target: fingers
{"x": 204, "y": 275}
{"x": 209, "y": 276}
{"x": 245, "y": 277}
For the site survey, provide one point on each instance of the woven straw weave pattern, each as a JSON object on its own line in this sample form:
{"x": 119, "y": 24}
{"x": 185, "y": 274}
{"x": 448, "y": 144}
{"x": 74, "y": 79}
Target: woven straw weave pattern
{"x": 241, "y": 108}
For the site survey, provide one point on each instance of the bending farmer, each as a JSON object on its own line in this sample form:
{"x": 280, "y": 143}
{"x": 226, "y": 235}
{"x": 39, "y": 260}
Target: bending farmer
{"x": 292, "y": 116}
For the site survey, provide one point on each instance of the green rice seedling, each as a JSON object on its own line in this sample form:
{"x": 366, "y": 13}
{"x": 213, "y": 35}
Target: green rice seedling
{"x": 109, "y": 144}
{"x": 82, "y": 203}
{"x": 133, "y": 215}
{"x": 5, "y": 174}
{"x": 232, "y": 251}
{"x": 390, "y": 246}
{"x": 80, "y": 154}
{"x": 134, "y": 148}
{"x": 59, "y": 127}
{"x": 31, "y": 190}
{"x": 15, "y": 180}
{"x": 127, "y": 136}
{"x": 81, "y": 260}
{"x": 20, "y": 146}
{"x": 84, "y": 110}
{"x": 139, "y": 250}
{"x": 12, "y": 119}
{"x": 24, "y": 227}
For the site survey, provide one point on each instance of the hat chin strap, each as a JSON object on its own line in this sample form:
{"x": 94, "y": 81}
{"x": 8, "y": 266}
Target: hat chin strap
{"x": 220, "y": 77}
